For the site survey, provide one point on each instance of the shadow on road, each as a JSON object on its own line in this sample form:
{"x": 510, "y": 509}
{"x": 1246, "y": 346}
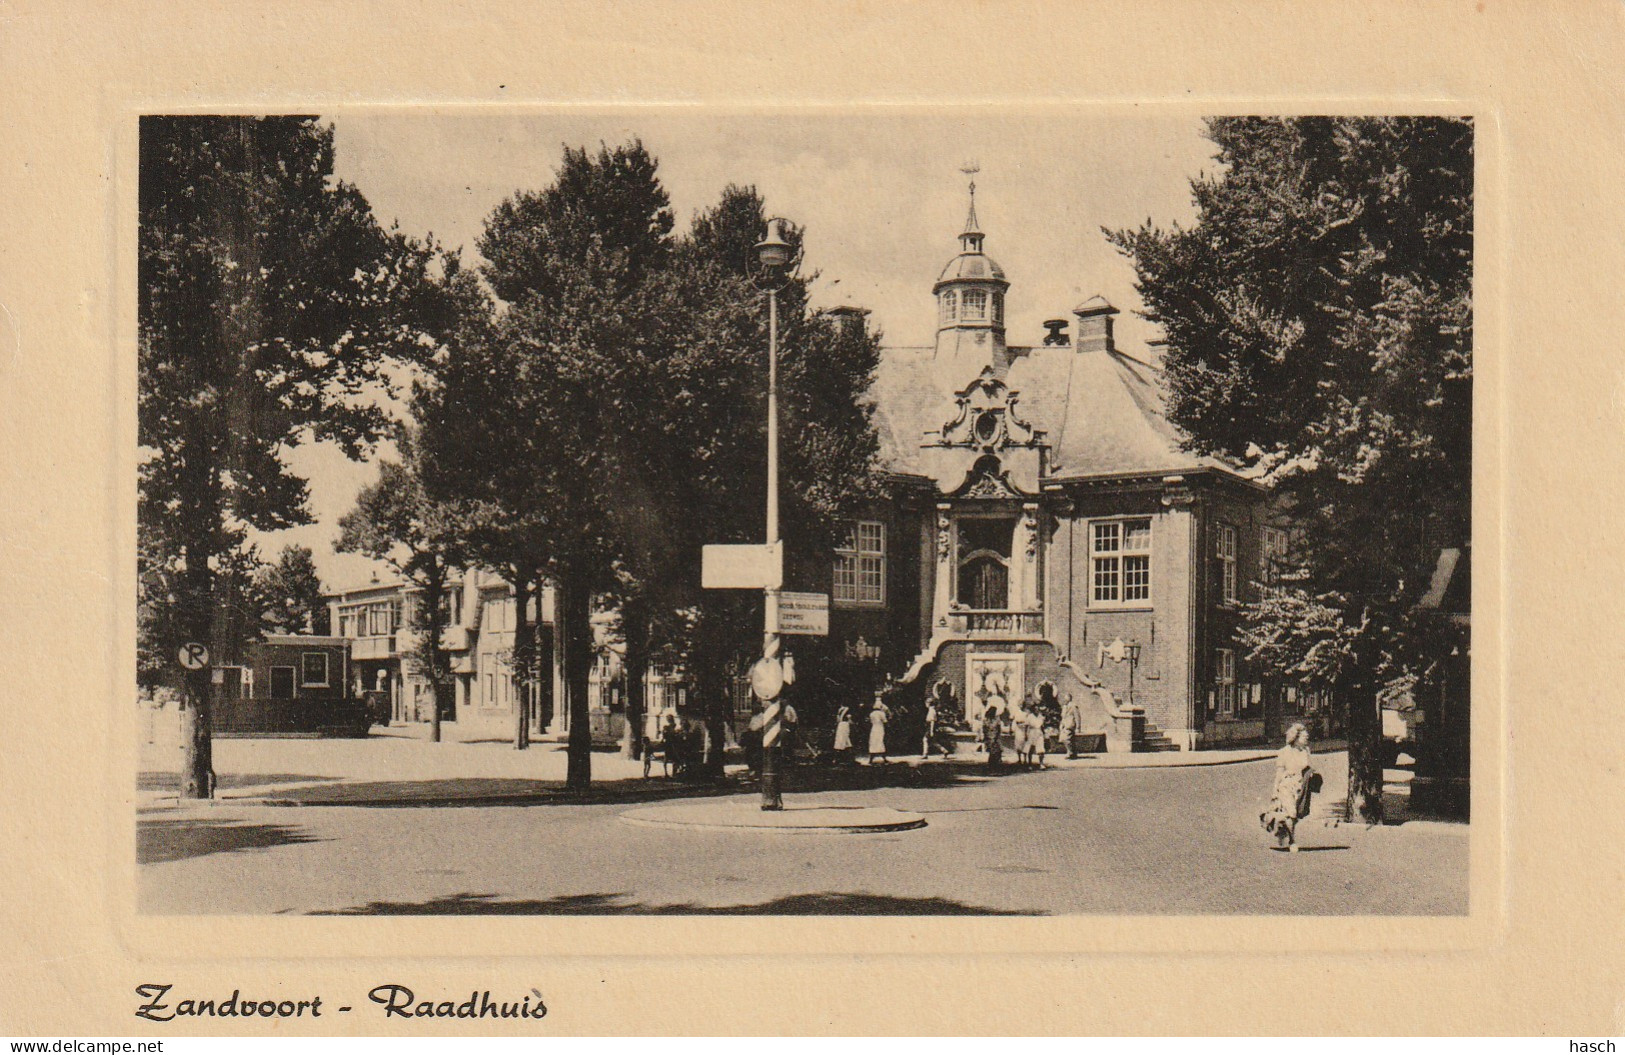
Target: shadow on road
{"x": 454, "y": 792}
{"x": 939, "y": 774}
{"x": 1397, "y": 809}
{"x": 159, "y": 780}
{"x": 179, "y": 839}
{"x": 824, "y": 904}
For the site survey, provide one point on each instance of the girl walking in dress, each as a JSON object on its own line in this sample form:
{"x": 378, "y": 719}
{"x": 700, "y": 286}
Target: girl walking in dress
{"x": 843, "y": 734}
{"x": 1295, "y": 781}
{"x": 877, "y": 732}
{"x": 992, "y": 736}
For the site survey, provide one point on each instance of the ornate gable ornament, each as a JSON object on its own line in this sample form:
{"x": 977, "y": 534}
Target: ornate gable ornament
{"x": 988, "y": 479}
{"x": 987, "y": 420}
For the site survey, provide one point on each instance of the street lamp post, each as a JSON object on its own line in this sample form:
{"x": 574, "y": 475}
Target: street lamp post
{"x": 777, "y": 259}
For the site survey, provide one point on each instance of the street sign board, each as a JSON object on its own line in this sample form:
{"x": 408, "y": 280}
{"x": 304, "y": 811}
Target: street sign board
{"x": 748, "y": 567}
{"x": 767, "y": 678}
{"x": 193, "y": 656}
{"x": 804, "y": 613}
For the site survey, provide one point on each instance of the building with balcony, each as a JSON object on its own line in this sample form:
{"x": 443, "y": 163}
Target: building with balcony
{"x": 478, "y": 611}
{"x": 1049, "y": 537}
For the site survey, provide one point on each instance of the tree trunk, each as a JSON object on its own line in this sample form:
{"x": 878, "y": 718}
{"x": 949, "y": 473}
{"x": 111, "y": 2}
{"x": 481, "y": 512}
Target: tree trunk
{"x": 1365, "y": 753}
{"x": 197, "y": 726}
{"x": 197, "y": 769}
{"x": 714, "y": 659}
{"x": 524, "y": 657}
{"x": 714, "y": 687}
{"x": 717, "y": 713}
{"x": 635, "y": 627}
{"x": 575, "y": 610}
{"x": 435, "y": 657}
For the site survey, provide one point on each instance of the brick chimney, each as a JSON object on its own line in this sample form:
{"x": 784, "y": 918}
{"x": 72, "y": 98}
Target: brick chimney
{"x": 849, "y": 319}
{"x": 1095, "y": 325}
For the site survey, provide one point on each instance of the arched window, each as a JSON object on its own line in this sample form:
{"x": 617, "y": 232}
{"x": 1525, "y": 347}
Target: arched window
{"x": 948, "y": 305}
{"x": 984, "y": 562}
{"x": 975, "y": 304}
{"x": 998, "y": 309}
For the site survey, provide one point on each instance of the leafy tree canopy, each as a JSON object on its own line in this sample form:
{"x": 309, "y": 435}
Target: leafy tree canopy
{"x": 1318, "y": 316}
{"x": 273, "y": 310}
{"x": 290, "y": 592}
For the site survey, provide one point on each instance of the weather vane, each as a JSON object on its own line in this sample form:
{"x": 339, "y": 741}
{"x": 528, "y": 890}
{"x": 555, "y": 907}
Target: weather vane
{"x": 971, "y": 168}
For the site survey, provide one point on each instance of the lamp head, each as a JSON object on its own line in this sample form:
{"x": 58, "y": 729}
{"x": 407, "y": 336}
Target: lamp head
{"x": 773, "y": 251}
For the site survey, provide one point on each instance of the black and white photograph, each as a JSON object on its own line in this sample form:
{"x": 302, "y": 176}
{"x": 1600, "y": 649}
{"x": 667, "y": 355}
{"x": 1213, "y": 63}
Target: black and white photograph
{"x": 1048, "y": 512}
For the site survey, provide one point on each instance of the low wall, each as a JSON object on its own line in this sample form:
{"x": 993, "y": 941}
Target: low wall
{"x": 272, "y": 717}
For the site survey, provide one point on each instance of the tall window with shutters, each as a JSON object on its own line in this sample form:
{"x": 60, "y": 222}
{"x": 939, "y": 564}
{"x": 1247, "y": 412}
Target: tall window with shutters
{"x": 860, "y": 566}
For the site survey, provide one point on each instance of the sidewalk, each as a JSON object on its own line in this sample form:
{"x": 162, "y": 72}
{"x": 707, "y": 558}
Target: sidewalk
{"x": 397, "y": 766}
{"x": 393, "y": 766}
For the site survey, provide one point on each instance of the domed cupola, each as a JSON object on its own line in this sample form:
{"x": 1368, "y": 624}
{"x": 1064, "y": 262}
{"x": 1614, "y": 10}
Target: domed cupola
{"x": 970, "y": 298}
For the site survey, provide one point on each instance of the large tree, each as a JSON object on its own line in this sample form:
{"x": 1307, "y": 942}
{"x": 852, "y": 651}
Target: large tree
{"x": 512, "y": 423}
{"x": 694, "y": 453}
{"x": 273, "y": 310}
{"x": 396, "y": 522}
{"x": 1318, "y": 318}
{"x": 613, "y": 410}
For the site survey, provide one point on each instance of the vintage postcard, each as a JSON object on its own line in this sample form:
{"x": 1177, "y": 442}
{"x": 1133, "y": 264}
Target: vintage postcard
{"x": 571, "y": 545}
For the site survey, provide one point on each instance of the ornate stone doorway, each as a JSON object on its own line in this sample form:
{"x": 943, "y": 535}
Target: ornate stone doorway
{"x": 992, "y": 679}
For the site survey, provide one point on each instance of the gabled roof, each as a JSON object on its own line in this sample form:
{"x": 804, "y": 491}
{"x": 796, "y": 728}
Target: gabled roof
{"x": 1102, "y": 410}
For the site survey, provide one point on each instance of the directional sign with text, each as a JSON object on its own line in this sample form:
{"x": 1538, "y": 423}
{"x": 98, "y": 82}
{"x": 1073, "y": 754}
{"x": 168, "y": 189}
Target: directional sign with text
{"x": 733, "y": 567}
{"x": 804, "y": 613}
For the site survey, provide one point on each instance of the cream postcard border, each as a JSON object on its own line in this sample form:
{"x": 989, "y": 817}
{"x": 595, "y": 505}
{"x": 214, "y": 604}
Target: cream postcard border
{"x": 1538, "y": 951}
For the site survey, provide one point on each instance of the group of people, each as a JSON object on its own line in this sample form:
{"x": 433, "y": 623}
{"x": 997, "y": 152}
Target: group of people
{"x": 1025, "y": 726}
{"x": 1294, "y": 784}
{"x": 679, "y": 741}
{"x": 1028, "y": 732}
{"x": 879, "y": 715}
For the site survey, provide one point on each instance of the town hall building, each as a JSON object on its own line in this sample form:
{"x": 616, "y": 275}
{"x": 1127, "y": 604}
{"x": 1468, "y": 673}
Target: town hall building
{"x": 1050, "y": 538}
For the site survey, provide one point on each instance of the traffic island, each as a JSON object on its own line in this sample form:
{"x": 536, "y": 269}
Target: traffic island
{"x": 747, "y": 815}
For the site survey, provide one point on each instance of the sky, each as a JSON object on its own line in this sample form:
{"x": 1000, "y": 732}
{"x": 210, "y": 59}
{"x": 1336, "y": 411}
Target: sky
{"x": 881, "y": 195}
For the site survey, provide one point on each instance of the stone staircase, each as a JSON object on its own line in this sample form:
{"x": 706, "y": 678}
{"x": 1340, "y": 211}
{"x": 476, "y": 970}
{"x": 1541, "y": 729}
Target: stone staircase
{"x": 1154, "y": 739}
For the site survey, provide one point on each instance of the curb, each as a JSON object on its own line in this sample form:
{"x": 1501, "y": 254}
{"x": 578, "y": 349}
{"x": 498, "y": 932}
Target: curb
{"x": 527, "y": 798}
{"x": 282, "y": 800}
{"x": 744, "y": 817}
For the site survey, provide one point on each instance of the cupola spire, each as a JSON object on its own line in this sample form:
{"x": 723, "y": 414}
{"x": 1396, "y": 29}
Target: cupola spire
{"x": 970, "y": 297}
{"x": 970, "y": 240}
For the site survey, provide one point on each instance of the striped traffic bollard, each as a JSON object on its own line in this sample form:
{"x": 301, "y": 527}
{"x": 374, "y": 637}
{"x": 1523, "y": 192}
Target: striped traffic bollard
{"x": 769, "y": 683}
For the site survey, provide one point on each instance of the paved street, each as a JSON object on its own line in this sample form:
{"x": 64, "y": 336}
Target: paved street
{"x": 1147, "y": 841}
